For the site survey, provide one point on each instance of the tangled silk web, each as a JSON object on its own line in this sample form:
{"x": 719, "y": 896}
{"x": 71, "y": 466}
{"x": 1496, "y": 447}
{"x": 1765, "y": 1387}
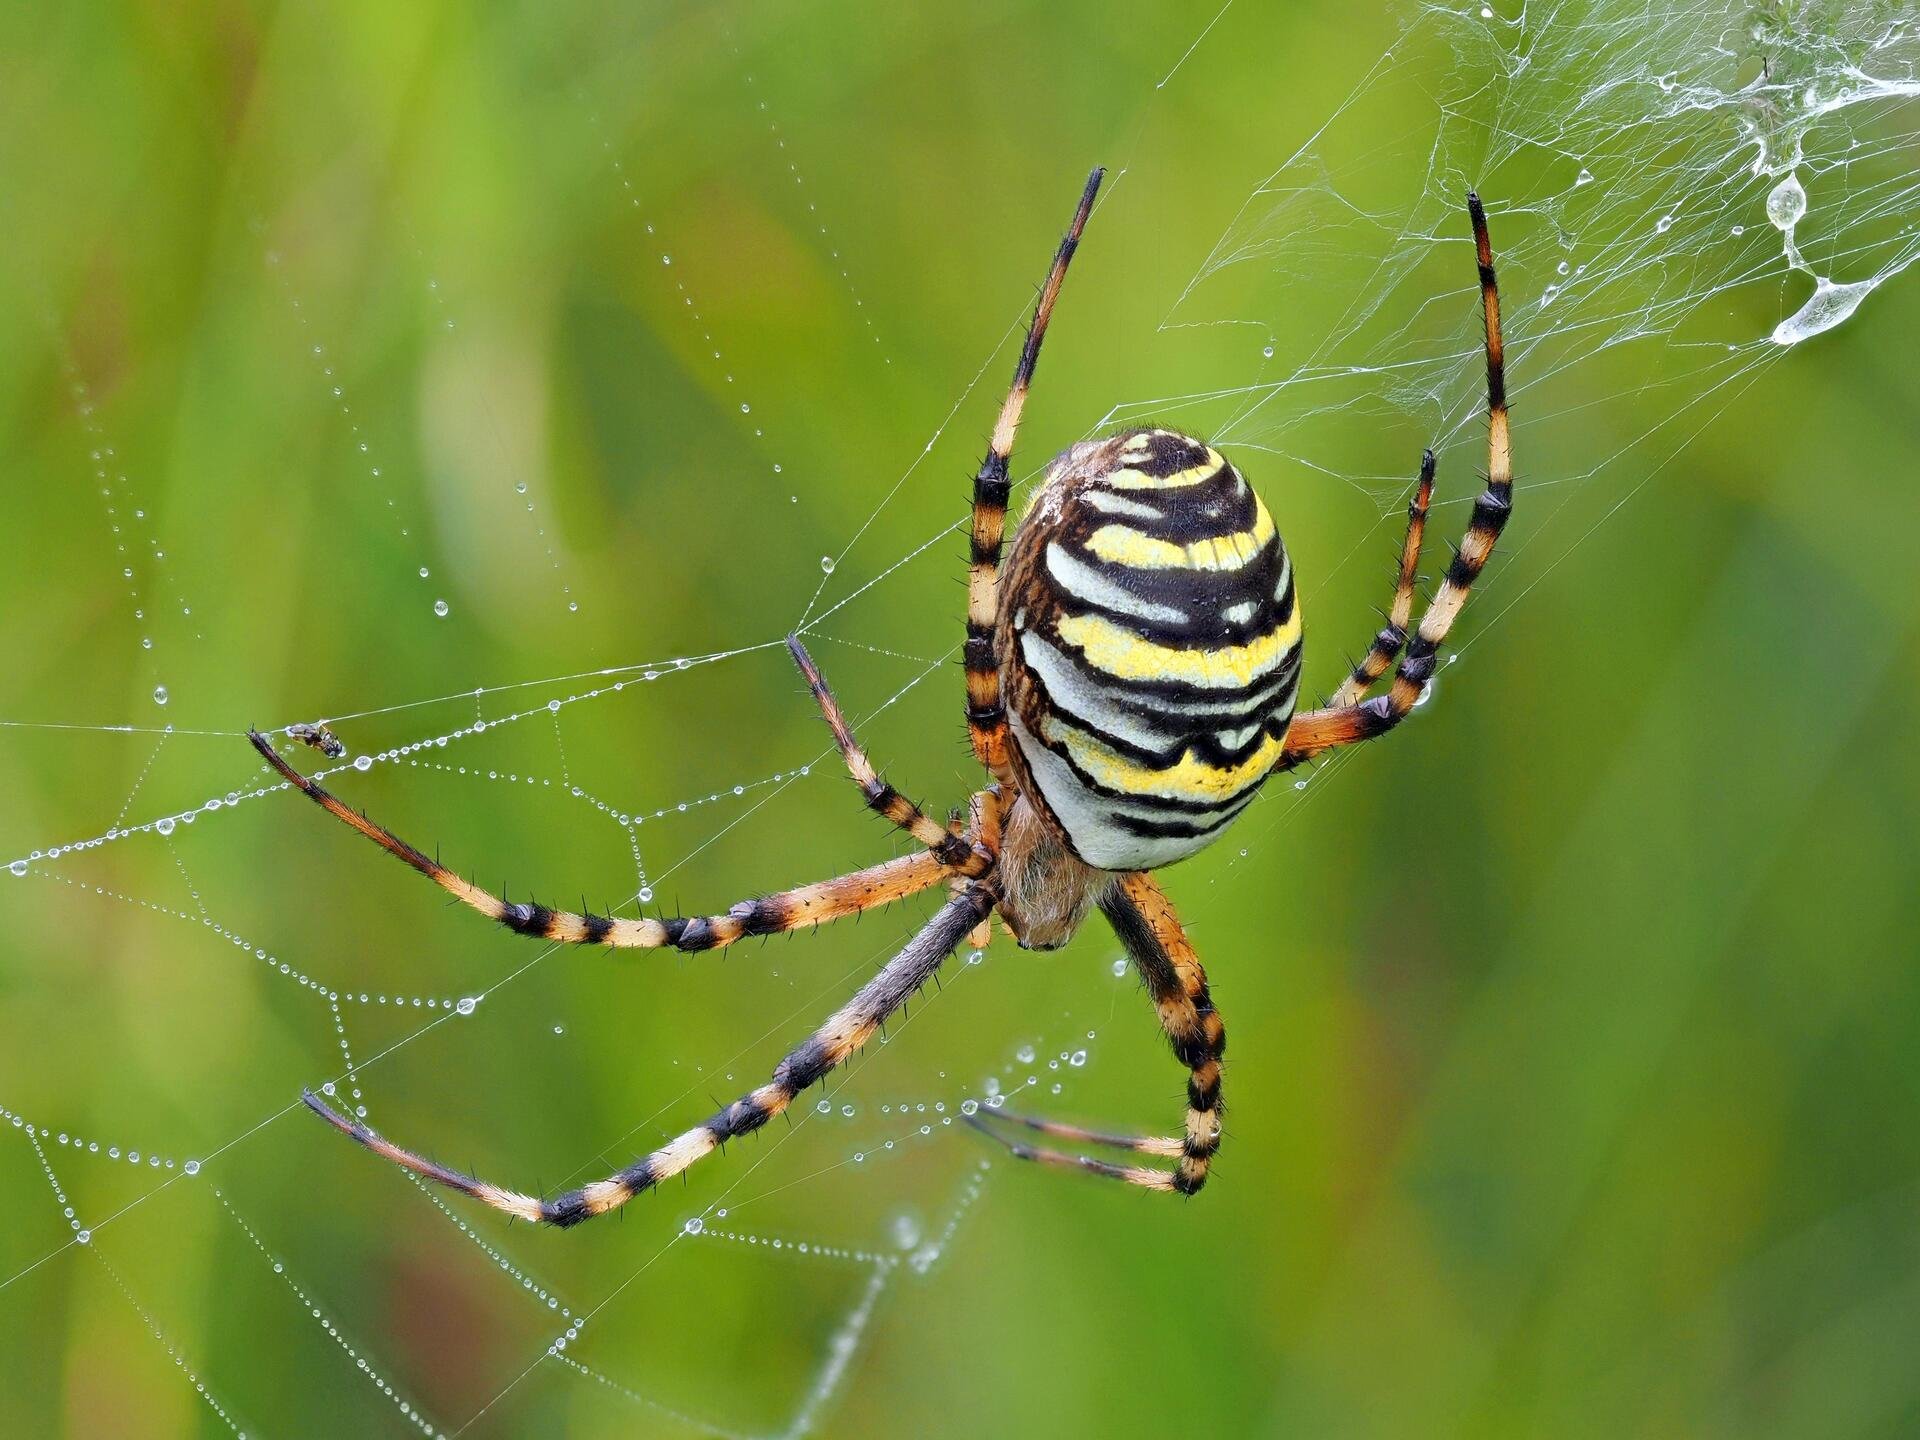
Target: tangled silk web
{"x": 1717, "y": 181}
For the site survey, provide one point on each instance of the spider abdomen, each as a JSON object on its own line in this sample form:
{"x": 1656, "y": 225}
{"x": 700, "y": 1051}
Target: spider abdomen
{"x": 1149, "y": 644}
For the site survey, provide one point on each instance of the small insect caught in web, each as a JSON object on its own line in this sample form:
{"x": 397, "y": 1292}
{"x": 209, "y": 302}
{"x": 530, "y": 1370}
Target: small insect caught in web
{"x": 319, "y": 737}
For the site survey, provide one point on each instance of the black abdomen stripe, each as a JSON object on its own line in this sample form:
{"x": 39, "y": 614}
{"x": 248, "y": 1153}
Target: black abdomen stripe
{"x": 1161, "y": 640}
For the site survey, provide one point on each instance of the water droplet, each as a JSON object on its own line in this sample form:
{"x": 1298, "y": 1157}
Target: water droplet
{"x": 646, "y": 894}
{"x": 160, "y": 696}
{"x": 363, "y": 763}
{"x": 1663, "y": 224}
{"x": 1024, "y": 1054}
{"x": 826, "y": 564}
{"x": 440, "y": 608}
{"x": 423, "y": 572}
{"x": 1267, "y": 350}
{"x": 1077, "y": 1059}
{"x": 554, "y": 706}
{"x": 466, "y": 1005}
{"x": 18, "y": 867}
{"x": 969, "y": 1107}
{"x": 192, "y": 1167}
{"x": 1585, "y": 177}
{"x": 83, "y": 1236}
{"x": 164, "y": 825}
{"x": 694, "y": 1225}
{"x": 1119, "y": 968}
{"x": 519, "y": 487}
{"x": 1787, "y": 203}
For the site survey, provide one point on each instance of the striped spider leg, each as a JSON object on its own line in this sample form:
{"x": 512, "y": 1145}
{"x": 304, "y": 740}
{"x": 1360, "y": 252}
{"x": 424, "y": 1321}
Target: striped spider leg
{"x": 1349, "y": 718}
{"x": 986, "y": 715}
{"x": 1144, "y": 919}
{"x": 845, "y": 1032}
{"x": 1131, "y": 683}
{"x": 1386, "y": 645}
{"x": 948, "y": 855}
{"x": 1139, "y": 910}
{"x": 953, "y": 849}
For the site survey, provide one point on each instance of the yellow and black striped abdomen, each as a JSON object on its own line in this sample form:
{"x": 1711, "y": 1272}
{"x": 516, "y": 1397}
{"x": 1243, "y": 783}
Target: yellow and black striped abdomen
{"x": 1149, "y": 644}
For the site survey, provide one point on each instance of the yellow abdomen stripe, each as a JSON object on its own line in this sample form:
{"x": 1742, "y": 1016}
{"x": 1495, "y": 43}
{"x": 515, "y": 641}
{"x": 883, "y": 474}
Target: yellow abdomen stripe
{"x": 1186, "y": 779}
{"x": 1136, "y": 550}
{"x": 1127, "y": 656}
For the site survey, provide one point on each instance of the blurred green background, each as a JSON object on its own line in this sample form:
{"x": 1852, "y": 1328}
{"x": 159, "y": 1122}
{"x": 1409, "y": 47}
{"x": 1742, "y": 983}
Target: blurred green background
{"x": 1575, "y": 1054}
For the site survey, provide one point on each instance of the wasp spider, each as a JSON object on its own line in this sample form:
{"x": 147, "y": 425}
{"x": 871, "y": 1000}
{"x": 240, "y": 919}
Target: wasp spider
{"x": 1131, "y": 679}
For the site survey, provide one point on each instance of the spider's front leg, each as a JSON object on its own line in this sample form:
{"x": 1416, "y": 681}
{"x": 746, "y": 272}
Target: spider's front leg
{"x": 1144, "y": 919}
{"x": 992, "y": 486}
{"x": 1386, "y": 645}
{"x": 1314, "y": 732}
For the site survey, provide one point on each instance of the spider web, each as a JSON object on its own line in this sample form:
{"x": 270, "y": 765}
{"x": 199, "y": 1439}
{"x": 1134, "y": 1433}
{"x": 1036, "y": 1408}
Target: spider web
{"x": 1715, "y": 184}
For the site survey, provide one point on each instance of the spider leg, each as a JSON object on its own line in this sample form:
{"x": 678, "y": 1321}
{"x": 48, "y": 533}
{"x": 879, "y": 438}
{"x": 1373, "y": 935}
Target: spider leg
{"x": 1144, "y": 919}
{"x": 1315, "y": 731}
{"x": 953, "y": 850}
{"x": 845, "y": 1032}
{"x": 986, "y": 716}
{"x": 1167, "y": 1146}
{"x": 1386, "y": 645}
{"x": 984, "y": 809}
{"x": 1145, "y": 1176}
{"x": 775, "y": 914}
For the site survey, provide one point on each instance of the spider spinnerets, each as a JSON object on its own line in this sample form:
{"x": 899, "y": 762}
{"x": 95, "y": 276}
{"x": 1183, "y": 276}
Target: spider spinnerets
{"x": 1131, "y": 683}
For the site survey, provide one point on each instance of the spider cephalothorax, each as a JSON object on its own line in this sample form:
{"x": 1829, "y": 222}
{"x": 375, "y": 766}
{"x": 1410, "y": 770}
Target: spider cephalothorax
{"x": 1130, "y": 684}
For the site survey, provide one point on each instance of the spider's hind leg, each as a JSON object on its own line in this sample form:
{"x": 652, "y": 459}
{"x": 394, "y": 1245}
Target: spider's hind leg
{"x": 1143, "y": 918}
{"x": 849, "y": 1028}
{"x": 1148, "y": 1177}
